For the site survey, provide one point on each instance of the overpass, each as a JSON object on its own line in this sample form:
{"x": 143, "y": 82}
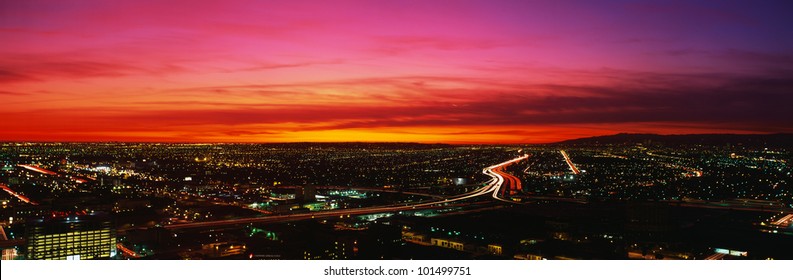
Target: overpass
{"x": 491, "y": 186}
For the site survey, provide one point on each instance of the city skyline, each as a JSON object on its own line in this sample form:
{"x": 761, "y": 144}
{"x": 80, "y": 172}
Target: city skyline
{"x": 619, "y": 197}
{"x": 407, "y": 71}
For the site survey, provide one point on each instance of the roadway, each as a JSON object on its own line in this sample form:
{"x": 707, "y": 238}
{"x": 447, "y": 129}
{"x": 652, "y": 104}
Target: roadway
{"x": 570, "y": 163}
{"x": 491, "y": 186}
{"x": 500, "y": 184}
{"x": 502, "y": 178}
{"x": 784, "y": 221}
{"x": 126, "y": 251}
{"x": 37, "y": 169}
{"x": 50, "y": 172}
{"x": 23, "y": 198}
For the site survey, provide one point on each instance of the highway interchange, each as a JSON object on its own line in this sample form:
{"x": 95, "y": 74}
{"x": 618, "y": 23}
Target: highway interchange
{"x": 493, "y": 186}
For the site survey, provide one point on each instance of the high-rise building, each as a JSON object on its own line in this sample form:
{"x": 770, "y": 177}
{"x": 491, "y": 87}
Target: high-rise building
{"x": 71, "y": 238}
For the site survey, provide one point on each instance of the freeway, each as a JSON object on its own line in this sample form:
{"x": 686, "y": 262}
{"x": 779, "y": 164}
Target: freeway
{"x": 126, "y": 251}
{"x": 37, "y": 169}
{"x": 491, "y": 186}
{"x": 511, "y": 185}
{"x": 17, "y": 195}
{"x": 502, "y": 178}
{"x": 784, "y": 221}
{"x": 50, "y": 172}
{"x": 570, "y": 163}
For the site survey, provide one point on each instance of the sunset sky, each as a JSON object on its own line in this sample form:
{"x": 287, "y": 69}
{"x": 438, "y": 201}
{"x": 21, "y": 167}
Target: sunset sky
{"x": 420, "y": 71}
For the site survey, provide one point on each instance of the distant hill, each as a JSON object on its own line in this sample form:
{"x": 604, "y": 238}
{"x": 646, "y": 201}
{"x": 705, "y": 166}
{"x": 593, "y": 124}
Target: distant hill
{"x": 749, "y": 140}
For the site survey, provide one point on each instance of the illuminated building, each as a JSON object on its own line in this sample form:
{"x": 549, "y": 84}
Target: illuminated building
{"x": 414, "y": 237}
{"x": 71, "y": 238}
{"x": 495, "y": 249}
{"x": 9, "y": 254}
{"x": 440, "y": 242}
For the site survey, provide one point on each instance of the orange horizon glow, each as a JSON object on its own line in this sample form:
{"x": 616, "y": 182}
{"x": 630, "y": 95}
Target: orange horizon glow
{"x": 468, "y": 72}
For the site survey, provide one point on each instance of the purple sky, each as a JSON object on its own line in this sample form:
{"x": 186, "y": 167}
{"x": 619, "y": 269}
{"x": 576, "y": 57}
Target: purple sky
{"x": 426, "y": 71}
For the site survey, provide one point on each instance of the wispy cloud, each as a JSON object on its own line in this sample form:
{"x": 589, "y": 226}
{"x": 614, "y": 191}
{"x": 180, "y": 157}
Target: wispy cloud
{"x": 757, "y": 100}
{"x": 477, "y": 70}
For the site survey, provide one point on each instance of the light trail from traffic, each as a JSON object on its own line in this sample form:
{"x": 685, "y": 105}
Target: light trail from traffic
{"x": 570, "y": 163}
{"x": 50, "y": 172}
{"x": 37, "y": 169}
{"x": 514, "y": 185}
{"x": 786, "y": 220}
{"x": 17, "y": 195}
{"x": 502, "y": 177}
{"x": 491, "y": 186}
{"x": 126, "y": 251}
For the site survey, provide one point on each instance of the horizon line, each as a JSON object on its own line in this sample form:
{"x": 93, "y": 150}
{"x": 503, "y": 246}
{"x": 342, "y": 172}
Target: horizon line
{"x": 386, "y": 142}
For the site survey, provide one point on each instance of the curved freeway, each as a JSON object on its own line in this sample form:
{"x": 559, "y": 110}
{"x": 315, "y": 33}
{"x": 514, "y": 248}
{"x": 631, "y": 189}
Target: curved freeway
{"x": 492, "y": 185}
{"x": 503, "y": 178}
